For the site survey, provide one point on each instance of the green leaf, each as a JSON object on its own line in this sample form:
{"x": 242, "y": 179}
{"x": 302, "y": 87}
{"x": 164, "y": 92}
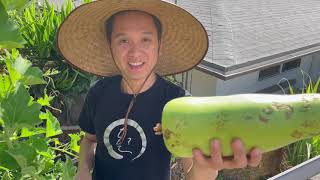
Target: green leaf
{"x": 56, "y": 141}
{"x": 46, "y": 154}
{"x": 69, "y": 171}
{"x": 10, "y": 36}
{"x": 21, "y": 70}
{"x": 33, "y": 76}
{"x": 316, "y": 86}
{"x": 40, "y": 144}
{"x": 45, "y": 101}
{"x": 25, "y": 132}
{"x": 5, "y": 85}
{"x": 46, "y": 165}
{"x": 52, "y": 125}
{"x": 14, "y": 4}
{"x": 23, "y": 153}
{"x": 309, "y": 88}
{"x": 6, "y": 160}
{"x": 75, "y": 138}
{"x": 19, "y": 111}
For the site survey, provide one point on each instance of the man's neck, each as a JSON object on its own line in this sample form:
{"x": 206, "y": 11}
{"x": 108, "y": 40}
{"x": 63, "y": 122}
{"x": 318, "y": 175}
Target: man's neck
{"x": 135, "y": 85}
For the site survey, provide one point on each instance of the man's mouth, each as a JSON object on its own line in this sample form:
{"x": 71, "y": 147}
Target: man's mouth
{"x": 136, "y": 65}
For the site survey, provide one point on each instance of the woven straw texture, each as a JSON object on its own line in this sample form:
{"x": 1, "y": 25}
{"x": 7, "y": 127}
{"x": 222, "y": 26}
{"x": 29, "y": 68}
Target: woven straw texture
{"x": 82, "y": 36}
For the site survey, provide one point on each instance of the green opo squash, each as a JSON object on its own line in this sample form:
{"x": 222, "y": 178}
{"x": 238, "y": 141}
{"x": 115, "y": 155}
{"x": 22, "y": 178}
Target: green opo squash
{"x": 259, "y": 120}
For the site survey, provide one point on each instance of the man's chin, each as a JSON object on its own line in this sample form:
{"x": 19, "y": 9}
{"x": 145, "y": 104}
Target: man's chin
{"x": 137, "y": 77}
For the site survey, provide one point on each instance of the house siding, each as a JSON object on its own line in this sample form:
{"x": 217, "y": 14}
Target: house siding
{"x": 249, "y": 83}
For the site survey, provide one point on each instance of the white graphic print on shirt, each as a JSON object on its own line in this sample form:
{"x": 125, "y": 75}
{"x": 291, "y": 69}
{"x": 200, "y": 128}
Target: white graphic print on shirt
{"x": 114, "y": 125}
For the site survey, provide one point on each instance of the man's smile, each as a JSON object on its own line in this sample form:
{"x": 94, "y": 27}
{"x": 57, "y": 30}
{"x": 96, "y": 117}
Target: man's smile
{"x": 136, "y": 65}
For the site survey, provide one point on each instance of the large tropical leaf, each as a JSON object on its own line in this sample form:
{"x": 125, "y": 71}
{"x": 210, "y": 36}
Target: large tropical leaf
{"x": 21, "y": 70}
{"x": 18, "y": 110}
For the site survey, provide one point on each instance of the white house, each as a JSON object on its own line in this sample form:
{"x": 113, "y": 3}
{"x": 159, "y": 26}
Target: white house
{"x": 254, "y": 45}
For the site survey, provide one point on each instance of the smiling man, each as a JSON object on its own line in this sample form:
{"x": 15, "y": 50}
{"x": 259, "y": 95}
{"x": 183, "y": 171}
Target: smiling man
{"x": 133, "y": 44}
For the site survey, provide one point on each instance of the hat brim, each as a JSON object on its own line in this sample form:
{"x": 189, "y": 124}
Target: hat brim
{"x": 82, "y": 40}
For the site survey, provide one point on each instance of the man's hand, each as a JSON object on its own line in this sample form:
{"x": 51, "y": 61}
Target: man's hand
{"x": 207, "y": 167}
{"x": 217, "y": 162}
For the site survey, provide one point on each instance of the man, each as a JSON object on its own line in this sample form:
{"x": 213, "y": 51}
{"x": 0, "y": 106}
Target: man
{"x": 133, "y": 44}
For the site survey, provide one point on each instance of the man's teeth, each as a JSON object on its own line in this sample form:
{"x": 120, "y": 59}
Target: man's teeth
{"x": 136, "y": 64}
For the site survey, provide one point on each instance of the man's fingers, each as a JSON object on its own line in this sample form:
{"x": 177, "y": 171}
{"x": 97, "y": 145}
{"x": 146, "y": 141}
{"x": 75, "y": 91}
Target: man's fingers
{"x": 217, "y": 161}
{"x": 216, "y": 155}
{"x": 255, "y": 157}
{"x": 239, "y": 156}
{"x": 199, "y": 158}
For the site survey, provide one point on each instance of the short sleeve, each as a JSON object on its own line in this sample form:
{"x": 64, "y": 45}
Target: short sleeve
{"x": 87, "y": 113}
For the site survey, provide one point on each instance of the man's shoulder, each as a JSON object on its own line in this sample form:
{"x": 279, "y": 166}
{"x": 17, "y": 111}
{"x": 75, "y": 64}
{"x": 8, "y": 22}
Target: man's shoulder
{"x": 100, "y": 85}
{"x": 175, "y": 89}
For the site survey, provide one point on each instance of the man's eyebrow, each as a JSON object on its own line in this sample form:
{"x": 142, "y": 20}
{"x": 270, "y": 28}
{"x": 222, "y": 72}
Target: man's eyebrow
{"x": 148, "y": 33}
{"x": 124, "y": 34}
{"x": 119, "y": 35}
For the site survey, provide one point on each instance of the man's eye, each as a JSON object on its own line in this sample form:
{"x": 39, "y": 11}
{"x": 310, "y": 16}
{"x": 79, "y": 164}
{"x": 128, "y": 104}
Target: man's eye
{"x": 146, "y": 40}
{"x": 123, "y": 41}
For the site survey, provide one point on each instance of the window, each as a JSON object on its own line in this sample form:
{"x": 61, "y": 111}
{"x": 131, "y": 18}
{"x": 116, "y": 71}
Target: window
{"x": 269, "y": 72}
{"x": 291, "y": 65}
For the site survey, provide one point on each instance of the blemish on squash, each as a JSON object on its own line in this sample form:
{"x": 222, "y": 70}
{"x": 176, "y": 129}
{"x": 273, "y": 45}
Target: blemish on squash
{"x": 296, "y": 134}
{"x": 263, "y": 119}
{"x": 306, "y": 105}
{"x": 248, "y": 117}
{"x": 167, "y": 134}
{"x": 307, "y": 124}
{"x": 220, "y": 124}
{"x": 268, "y": 110}
{"x": 289, "y": 113}
{"x": 283, "y": 107}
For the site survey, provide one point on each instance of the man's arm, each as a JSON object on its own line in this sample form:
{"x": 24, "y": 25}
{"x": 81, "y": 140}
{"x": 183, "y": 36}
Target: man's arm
{"x": 86, "y": 156}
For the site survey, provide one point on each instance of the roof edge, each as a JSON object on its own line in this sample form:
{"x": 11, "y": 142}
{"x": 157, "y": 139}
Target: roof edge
{"x": 226, "y": 73}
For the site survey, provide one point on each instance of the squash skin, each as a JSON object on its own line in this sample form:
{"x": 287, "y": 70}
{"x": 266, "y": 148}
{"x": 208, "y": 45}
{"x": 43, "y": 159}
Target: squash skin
{"x": 259, "y": 120}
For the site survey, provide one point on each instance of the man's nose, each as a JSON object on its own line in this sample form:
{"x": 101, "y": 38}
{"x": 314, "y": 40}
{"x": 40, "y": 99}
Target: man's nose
{"x": 134, "y": 49}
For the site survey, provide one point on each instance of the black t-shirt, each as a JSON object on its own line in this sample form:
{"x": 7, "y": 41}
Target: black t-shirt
{"x": 142, "y": 155}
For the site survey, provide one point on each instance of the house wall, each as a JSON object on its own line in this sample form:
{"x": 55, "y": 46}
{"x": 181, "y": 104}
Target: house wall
{"x": 249, "y": 83}
{"x": 198, "y": 83}
{"x": 315, "y": 67}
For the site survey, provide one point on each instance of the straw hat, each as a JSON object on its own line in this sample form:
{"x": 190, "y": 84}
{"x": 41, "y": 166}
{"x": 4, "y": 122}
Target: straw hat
{"x": 83, "y": 43}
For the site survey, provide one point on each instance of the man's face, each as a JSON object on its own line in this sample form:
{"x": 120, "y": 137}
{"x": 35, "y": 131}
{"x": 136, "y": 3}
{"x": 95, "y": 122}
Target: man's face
{"x": 134, "y": 44}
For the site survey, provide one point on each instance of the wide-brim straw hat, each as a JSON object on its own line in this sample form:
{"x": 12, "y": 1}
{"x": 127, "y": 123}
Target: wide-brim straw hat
{"x": 83, "y": 42}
